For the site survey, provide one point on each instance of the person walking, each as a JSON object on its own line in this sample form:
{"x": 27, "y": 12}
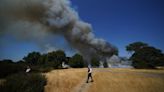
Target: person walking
{"x": 89, "y": 74}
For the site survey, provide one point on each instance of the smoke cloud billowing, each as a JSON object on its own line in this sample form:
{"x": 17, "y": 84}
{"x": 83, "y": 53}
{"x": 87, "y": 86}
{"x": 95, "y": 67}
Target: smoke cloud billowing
{"x": 40, "y": 18}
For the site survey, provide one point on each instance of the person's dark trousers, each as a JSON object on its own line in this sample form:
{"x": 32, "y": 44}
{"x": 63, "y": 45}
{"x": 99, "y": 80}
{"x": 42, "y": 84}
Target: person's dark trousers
{"x": 89, "y": 76}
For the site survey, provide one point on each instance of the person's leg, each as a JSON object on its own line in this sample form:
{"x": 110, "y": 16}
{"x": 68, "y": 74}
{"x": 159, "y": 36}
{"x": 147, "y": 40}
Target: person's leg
{"x": 88, "y": 78}
{"x": 91, "y": 78}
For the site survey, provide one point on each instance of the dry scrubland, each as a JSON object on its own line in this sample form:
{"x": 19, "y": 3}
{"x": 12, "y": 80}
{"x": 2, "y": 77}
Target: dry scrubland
{"x": 107, "y": 80}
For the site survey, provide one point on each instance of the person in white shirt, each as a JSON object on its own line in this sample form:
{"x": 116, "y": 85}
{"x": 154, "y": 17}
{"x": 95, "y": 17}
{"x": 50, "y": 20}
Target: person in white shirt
{"x": 89, "y": 74}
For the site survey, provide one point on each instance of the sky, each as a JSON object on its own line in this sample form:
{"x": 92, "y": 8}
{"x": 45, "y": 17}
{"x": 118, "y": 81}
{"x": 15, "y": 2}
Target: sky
{"x": 122, "y": 22}
{"x": 119, "y": 22}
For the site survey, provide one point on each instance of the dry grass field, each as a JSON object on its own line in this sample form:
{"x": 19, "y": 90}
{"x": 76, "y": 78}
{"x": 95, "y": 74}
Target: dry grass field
{"x": 128, "y": 80}
{"x": 64, "y": 80}
{"x": 106, "y": 80}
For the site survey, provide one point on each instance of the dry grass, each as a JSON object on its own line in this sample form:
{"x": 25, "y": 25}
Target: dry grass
{"x": 64, "y": 80}
{"x": 107, "y": 80}
{"x": 128, "y": 80}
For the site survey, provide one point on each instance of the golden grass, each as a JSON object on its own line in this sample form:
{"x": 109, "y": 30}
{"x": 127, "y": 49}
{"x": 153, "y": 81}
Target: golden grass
{"x": 127, "y": 80}
{"x": 64, "y": 80}
{"x": 106, "y": 80}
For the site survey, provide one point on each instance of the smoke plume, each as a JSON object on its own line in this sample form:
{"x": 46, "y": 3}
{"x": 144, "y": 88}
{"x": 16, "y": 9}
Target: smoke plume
{"x": 52, "y": 17}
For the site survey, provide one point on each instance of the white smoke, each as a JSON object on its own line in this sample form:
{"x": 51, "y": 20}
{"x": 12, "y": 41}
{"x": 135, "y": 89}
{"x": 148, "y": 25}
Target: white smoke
{"x": 49, "y": 48}
{"x": 38, "y": 18}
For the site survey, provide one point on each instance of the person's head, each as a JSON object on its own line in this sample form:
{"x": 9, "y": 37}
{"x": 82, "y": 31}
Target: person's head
{"x": 89, "y": 66}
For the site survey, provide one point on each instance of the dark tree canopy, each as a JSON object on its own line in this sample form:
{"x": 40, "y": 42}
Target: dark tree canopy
{"x": 77, "y": 61}
{"x": 32, "y": 58}
{"x": 55, "y": 58}
{"x": 135, "y": 46}
{"x": 145, "y": 56}
{"x": 51, "y": 59}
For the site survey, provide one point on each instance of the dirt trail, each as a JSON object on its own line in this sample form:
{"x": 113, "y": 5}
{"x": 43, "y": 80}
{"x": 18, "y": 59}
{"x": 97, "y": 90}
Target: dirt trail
{"x": 83, "y": 86}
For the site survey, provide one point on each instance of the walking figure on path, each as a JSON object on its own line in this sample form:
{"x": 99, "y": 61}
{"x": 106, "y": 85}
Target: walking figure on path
{"x": 89, "y": 74}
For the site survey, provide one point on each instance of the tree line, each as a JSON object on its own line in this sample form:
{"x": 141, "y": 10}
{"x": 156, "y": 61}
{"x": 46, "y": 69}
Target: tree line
{"x": 142, "y": 56}
{"x": 41, "y": 62}
{"x": 54, "y": 59}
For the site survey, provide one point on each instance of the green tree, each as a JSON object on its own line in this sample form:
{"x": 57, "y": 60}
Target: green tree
{"x": 55, "y": 58}
{"x": 32, "y": 58}
{"x": 51, "y": 60}
{"x": 145, "y": 56}
{"x": 135, "y": 46}
{"x": 61, "y": 56}
{"x": 42, "y": 60}
{"x": 76, "y": 61}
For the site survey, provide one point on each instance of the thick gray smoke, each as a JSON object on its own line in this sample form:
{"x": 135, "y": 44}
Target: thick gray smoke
{"x": 57, "y": 17}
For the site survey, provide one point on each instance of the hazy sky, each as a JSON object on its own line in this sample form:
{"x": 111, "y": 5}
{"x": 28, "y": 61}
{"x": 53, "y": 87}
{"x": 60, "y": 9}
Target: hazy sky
{"x": 120, "y": 22}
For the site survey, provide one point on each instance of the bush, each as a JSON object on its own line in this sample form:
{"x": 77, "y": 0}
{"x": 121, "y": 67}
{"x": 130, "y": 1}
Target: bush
{"x": 8, "y": 68}
{"x": 43, "y": 69}
{"x": 22, "y": 82}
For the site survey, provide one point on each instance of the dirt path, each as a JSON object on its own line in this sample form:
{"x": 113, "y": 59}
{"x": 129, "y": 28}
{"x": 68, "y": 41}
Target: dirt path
{"x": 83, "y": 86}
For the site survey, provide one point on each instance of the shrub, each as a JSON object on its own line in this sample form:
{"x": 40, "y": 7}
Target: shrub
{"x": 8, "y": 68}
{"x": 43, "y": 69}
{"x": 22, "y": 82}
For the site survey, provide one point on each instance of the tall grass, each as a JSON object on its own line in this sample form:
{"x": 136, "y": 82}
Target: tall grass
{"x": 64, "y": 80}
